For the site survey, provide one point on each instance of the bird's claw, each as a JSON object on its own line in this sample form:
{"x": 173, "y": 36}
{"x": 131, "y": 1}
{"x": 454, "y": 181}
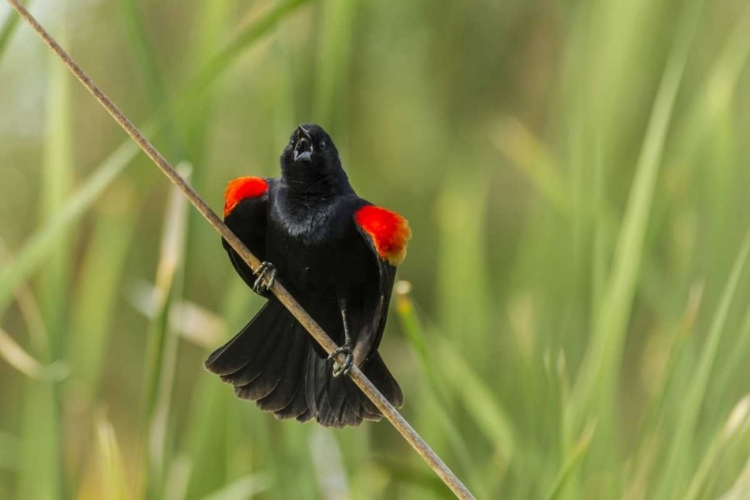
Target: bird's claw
{"x": 338, "y": 369}
{"x": 266, "y": 275}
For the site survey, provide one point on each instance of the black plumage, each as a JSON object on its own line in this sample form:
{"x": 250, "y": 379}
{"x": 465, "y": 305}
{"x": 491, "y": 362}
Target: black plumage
{"x": 336, "y": 254}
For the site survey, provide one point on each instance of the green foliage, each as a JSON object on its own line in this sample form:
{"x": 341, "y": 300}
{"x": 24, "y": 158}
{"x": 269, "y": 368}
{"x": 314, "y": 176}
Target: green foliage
{"x": 575, "y": 322}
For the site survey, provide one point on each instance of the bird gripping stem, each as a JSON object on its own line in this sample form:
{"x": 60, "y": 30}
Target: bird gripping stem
{"x": 393, "y": 416}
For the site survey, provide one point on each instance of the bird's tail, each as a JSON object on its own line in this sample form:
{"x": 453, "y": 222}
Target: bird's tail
{"x": 337, "y": 401}
{"x": 272, "y": 362}
{"x": 266, "y": 361}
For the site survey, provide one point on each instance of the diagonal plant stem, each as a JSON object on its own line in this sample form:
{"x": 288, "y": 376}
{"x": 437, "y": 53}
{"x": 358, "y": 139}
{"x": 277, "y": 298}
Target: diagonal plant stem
{"x": 411, "y": 436}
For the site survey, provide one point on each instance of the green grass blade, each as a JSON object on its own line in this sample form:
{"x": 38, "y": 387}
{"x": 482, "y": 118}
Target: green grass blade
{"x": 244, "y": 488}
{"x": 478, "y": 398}
{"x": 97, "y": 292}
{"x": 208, "y": 446}
{"x": 412, "y": 327}
{"x": 741, "y": 488}
{"x": 596, "y": 383}
{"x": 144, "y": 51}
{"x": 740, "y": 351}
{"x": 681, "y": 448}
{"x": 731, "y": 434}
{"x": 42, "y": 475}
{"x": 29, "y": 308}
{"x": 57, "y": 180}
{"x": 25, "y": 363}
{"x": 719, "y": 91}
{"x": 8, "y": 28}
{"x": 333, "y": 51}
{"x": 242, "y": 41}
{"x": 214, "y": 18}
{"x": 459, "y": 380}
{"x": 414, "y": 330}
{"x": 674, "y": 354}
{"x": 113, "y": 474}
{"x": 572, "y": 461}
{"x": 463, "y": 276}
{"x": 157, "y": 90}
{"x": 211, "y": 27}
{"x": 175, "y": 487}
{"x": 527, "y": 153}
{"x": 465, "y": 383}
{"x": 163, "y": 342}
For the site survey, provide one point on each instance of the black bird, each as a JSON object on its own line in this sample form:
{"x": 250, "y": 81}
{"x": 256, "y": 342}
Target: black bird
{"x": 337, "y": 255}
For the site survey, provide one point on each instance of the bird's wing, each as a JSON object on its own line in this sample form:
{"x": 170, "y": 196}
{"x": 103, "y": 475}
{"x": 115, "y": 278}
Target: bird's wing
{"x": 386, "y": 234}
{"x": 245, "y": 213}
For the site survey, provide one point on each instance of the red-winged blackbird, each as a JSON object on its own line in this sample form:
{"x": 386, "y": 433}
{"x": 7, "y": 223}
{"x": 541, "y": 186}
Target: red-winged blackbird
{"x": 337, "y": 255}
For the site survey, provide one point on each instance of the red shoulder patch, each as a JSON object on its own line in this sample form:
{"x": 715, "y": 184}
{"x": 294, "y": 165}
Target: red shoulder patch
{"x": 388, "y": 230}
{"x": 242, "y": 188}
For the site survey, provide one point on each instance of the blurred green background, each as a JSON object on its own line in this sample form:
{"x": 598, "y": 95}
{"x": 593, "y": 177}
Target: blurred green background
{"x": 573, "y": 321}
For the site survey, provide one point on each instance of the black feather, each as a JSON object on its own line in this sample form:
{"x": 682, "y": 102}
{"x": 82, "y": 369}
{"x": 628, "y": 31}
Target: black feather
{"x": 255, "y": 366}
{"x": 243, "y": 348}
{"x": 271, "y": 371}
{"x": 381, "y": 378}
{"x": 305, "y": 224}
{"x": 291, "y": 376}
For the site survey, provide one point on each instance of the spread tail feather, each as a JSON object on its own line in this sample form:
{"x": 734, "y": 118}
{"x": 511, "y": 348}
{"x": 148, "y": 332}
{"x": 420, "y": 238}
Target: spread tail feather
{"x": 337, "y": 401}
{"x": 265, "y": 362}
{"x": 271, "y": 361}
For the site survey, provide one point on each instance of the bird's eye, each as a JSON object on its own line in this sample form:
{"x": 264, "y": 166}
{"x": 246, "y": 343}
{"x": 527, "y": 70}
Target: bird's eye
{"x": 322, "y": 145}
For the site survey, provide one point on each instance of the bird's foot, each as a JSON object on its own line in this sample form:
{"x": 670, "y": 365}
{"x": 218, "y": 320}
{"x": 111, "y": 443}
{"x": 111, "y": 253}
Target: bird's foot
{"x": 348, "y": 362}
{"x": 266, "y": 275}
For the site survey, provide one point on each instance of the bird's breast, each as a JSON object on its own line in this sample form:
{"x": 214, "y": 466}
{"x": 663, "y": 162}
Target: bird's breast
{"x": 306, "y": 247}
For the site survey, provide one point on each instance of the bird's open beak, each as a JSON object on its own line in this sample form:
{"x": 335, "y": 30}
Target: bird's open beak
{"x": 303, "y": 149}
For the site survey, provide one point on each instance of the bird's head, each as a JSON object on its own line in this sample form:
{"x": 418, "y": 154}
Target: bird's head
{"x": 310, "y": 156}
